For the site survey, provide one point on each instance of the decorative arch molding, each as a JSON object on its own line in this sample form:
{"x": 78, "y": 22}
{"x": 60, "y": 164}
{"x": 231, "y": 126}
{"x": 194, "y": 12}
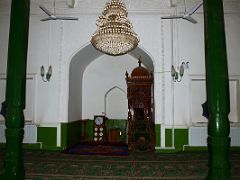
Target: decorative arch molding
{"x": 106, "y": 94}
{"x": 88, "y": 52}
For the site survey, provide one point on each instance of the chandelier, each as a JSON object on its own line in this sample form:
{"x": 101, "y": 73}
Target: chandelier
{"x": 114, "y": 35}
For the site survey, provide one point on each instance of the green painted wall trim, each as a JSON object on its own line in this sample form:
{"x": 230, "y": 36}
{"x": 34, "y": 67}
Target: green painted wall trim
{"x": 167, "y": 151}
{"x": 71, "y": 133}
{"x": 32, "y": 146}
{"x": 157, "y": 134}
{"x": 89, "y": 130}
{"x": 180, "y": 138}
{"x": 48, "y": 137}
{"x": 195, "y": 148}
{"x": 2, "y": 145}
{"x": 25, "y": 146}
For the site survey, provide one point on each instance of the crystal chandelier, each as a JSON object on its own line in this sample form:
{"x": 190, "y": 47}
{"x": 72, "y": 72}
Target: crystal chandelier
{"x": 114, "y": 35}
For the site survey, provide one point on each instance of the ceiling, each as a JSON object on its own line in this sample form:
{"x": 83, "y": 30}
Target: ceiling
{"x": 96, "y": 6}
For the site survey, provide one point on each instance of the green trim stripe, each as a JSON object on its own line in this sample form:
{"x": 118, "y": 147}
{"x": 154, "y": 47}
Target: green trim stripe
{"x": 48, "y": 137}
{"x": 71, "y": 133}
{"x": 180, "y": 138}
{"x": 157, "y": 134}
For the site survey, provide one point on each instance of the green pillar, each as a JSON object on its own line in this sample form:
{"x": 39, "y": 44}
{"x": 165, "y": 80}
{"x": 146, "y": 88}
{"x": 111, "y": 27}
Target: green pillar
{"x": 217, "y": 91}
{"x": 15, "y": 89}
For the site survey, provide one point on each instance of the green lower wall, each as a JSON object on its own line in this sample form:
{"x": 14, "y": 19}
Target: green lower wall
{"x": 180, "y": 138}
{"x": 71, "y": 133}
{"x": 158, "y": 134}
{"x": 47, "y": 137}
{"x": 90, "y": 130}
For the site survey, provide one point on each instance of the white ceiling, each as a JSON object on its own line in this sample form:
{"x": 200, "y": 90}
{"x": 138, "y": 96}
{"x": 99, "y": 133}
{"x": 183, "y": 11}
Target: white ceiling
{"x": 96, "y": 6}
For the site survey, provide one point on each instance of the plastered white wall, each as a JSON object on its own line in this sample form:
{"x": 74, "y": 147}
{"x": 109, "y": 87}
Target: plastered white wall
{"x": 99, "y": 77}
{"x": 56, "y": 43}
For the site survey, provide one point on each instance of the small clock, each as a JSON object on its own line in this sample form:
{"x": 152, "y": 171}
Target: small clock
{"x": 99, "y": 129}
{"x": 98, "y": 120}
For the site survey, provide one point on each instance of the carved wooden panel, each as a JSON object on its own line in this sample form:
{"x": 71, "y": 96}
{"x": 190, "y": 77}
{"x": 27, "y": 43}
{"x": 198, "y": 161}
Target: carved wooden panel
{"x": 140, "y": 126}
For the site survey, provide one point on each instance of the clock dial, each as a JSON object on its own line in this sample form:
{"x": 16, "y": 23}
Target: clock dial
{"x": 95, "y": 134}
{"x": 95, "y": 139}
{"x": 101, "y": 129}
{"x": 100, "y": 134}
{"x": 99, "y": 120}
{"x": 95, "y": 128}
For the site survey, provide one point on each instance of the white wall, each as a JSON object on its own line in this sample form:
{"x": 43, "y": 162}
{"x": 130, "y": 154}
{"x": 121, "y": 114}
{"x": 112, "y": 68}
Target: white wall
{"x": 232, "y": 26}
{"x": 85, "y": 28}
{"x": 100, "y": 76}
{"x": 4, "y": 29}
{"x": 45, "y": 49}
{"x": 56, "y": 43}
{"x": 190, "y": 93}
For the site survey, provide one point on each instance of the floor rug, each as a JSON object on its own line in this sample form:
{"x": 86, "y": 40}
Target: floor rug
{"x": 55, "y": 165}
{"x": 96, "y": 149}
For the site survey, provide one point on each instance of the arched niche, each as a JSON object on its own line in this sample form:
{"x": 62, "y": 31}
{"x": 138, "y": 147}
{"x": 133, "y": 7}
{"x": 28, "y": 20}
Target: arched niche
{"x": 115, "y": 98}
{"x": 80, "y": 62}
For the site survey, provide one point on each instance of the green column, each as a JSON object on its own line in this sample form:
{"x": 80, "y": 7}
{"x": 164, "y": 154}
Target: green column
{"x": 15, "y": 89}
{"x": 217, "y": 91}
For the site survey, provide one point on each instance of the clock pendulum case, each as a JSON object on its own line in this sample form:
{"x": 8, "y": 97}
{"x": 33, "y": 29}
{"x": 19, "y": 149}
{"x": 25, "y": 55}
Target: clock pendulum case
{"x": 99, "y": 129}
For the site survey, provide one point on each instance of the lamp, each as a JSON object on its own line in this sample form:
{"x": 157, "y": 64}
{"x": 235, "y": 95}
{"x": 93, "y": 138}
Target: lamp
{"x": 177, "y": 76}
{"x": 114, "y": 35}
{"x": 48, "y": 75}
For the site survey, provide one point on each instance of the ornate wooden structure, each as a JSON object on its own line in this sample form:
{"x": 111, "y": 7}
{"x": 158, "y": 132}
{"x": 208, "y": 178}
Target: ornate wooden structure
{"x": 140, "y": 125}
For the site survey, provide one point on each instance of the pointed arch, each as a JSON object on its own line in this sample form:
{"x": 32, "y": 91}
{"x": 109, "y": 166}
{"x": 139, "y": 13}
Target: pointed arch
{"x": 78, "y": 63}
{"x": 106, "y": 94}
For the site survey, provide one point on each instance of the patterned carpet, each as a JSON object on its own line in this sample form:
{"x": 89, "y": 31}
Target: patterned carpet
{"x": 45, "y": 165}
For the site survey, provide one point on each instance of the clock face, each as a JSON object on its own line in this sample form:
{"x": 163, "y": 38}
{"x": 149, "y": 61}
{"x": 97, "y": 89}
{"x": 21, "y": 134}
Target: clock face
{"x": 99, "y": 120}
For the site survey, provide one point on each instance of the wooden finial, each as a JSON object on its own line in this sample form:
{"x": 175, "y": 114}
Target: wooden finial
{"x": 139, "y": 61}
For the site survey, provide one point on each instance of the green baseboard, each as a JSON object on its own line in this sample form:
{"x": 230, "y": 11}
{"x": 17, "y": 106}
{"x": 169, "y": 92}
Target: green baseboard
{"x": 157, "y": 134}
{"x": 235, "y": 148}
{"x": 71, "y": 133}
{"x": 167, "y": 151}
{"x": 180, "y": 138}
{"x": 2, "y": 145}
{"x": 47, "y": 136}
{"x": 33, "y": 146}
{"x": 195, "y": 148}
